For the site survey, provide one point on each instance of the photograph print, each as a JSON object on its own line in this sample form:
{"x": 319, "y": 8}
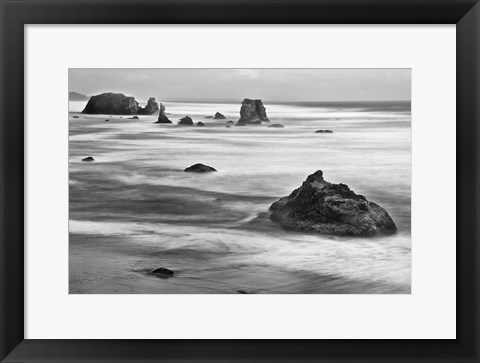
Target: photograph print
{"x": 239, "y": 181}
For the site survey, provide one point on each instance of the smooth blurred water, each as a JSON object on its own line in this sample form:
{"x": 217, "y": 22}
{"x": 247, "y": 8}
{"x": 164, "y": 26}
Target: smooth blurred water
{"x": 134, "y": 208}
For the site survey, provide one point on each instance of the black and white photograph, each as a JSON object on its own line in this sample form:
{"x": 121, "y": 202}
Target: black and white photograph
{"x": 239, "y": 181}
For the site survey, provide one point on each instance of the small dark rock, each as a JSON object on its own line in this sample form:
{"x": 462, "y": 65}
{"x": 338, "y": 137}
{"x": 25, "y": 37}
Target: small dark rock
{"x": 276, "y": 125}
{"x": 200, "y": 123}
{"x": 133, "y": 118}
{"x": 228, "y": 126}
{"x": 230, "y": 122}
{"x": 324, "y": 132}
{"x": 75, "y": 116}
{"x": 187, "y": 120}
{"x": 199, "y": 168}
{"x": 219, "y": 116}
{"x": 163, "y": 271}
{"x": 208, "y": 117}
{"x": 89, "y": 158}
{"x": 242, "y": 292}
{"x": 107, "y": 119}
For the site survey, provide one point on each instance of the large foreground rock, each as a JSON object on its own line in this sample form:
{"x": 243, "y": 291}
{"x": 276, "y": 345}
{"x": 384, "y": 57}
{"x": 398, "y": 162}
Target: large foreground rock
{"x": 111, "y": 104}
{"x": 323, "y": 207}
{"x": 252, "y": 111}
{"x": 162, "y": 117}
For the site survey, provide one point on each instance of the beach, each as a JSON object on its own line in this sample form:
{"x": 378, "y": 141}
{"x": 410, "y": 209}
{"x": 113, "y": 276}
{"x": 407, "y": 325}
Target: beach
{"x": 134, "y": 208}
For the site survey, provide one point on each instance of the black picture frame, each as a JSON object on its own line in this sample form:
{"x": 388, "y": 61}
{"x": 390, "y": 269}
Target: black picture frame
{"x": 15, "y": 14}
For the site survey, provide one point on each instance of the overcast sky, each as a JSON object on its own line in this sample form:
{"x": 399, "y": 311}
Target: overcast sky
{"x": 237, "y": 84}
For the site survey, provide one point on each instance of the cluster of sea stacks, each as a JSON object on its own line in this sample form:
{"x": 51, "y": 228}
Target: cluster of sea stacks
{"x": 251, "y": 111}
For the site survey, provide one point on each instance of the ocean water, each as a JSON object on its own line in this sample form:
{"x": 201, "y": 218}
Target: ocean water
{"x": 134, "y": 208}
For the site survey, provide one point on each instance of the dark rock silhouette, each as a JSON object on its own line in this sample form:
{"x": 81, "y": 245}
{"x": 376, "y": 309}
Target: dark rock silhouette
{"x": 242, "y": 292}
{"x": 151, "y": 107}
{"x": 219, "y": 116}
{"x": 276, "y": 125}
{"x": 88, "y": 158}
{"x": 324, "y": 132}
{"x": 162, "y": 271}
{"x": 162, "y": 118}
{"x": 323, "y": 207}
{"x": 230, "y": 122}
{"x": 75, "y": 116}
{"x": 187, "y": 121}
{"x": 107, "y": 119}
{"x": 200, "y": 123}
{"x": 111, "y": 103}
{"x": 252, "y": 111}
{"x": 133, "y": 118}
{"x": 199, "y": 168}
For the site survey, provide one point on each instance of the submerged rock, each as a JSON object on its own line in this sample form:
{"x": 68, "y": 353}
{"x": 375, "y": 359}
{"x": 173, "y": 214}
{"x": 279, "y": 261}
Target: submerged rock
{"x": 187, "y": 120}
{"x": 88, "y": 158}
{"x": 111, "y": 103}
{"x": 162, "y": 271}
{"x": 252, "y": 111}
{"x": 162, "y": 118}
{"x": 208, "y": 117}
{"x": 219, "y": 116}
{"x": 324, "y": 132}
{"x": 323, "y": 207}
{"x": 276, "y": 125}
{"x": 133, "y": 118}
{"x": 228, "y": 126}
{"x": 107, "y": 119}
{"x": 151, "y": 107}
{"x": 75, "y": 116}
{"x": 230, "y": 122}
{"x": 199, "y": 168}
{"x": 200, "y": 123}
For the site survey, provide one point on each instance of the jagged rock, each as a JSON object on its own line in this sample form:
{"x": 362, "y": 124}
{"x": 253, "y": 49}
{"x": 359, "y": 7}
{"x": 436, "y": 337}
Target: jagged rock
{"x": 162, "y": 271}
{"x": 252, "y": 111}
{"x": 151, "y": 107}
{"x": 111, "y": 103}
{"x": 162, "y": 118}
{"x": 199, "y": 168}
{"x": 187, "y": 120}
{"x": 88, "y": 158}
{"x": 276, "y": 125}
{"x": 323, "y": 207}
{"x": 219, "y": 116}
{"x": 133, "y": 118}
{"x": 324, "y": 132}
{"x": 200, "y": 123}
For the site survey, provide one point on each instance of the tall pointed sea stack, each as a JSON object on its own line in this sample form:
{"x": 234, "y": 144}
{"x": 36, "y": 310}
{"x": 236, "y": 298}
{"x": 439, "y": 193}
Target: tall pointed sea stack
{"x": 162, "y": 118}
{"x": 151, "y": 107}
{"x": 252, "y": 112}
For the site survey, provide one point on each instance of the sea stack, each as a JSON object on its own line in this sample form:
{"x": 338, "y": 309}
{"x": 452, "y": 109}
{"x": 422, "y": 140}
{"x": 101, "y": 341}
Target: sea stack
{"x": 334, "y": 209}
{"x": 151, "y": 108}
{"x": 186, "y": 121}
{"x": 162, "y": 118}
{"x": 252, "y": 112}
{"x": 111, "y": 104}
